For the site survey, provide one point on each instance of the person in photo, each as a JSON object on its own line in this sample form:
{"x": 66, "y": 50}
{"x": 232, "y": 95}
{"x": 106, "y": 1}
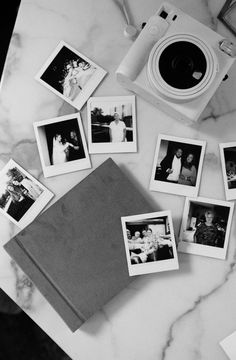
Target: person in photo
{"x": 74, "y": 152}
{"x": 66, "y": 83}
{"x": 75, "y": 86}
{"x": 28, "y": 187}
{"x": 164, "y": 247}
{"x": 60, "y": 149}
{"x": 207, "y": 232}
{"x": 149, "y": 245}
{"x": 33, "y": 189}
{"x": 188, "y": 173}
{"x": 117, "y": 129}
{"x": 19, "y": 202}
{"x": 171, "y": 166}
{"x": 84, "y": 73}
{"x": 135, "y": 244}
{"x": 16, "y": 193}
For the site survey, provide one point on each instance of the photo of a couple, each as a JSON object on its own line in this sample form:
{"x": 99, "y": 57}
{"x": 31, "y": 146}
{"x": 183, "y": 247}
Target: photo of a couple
{"x": 205, "y": 227}
{"x": 62, "y": 145}
{"x": 177, "y": 165}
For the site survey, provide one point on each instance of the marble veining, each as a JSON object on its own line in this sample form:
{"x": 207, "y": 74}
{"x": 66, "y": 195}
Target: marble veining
{"x": 199, "y": 301}
{"x": 24, "y": 288}
{"x": 170, "y": 316}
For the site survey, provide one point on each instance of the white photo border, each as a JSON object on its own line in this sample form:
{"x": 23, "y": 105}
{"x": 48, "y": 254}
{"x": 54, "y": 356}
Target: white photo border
{"x": 199, "y": 249}
{"x": 90, "y": 86}
{"x": 124, "y": 147}
{"x": 230, "y": 194}
{"x": 39, "y": 203}
{"x": 156, "y": 266}
{"x": 70, "y": 166}
{"x": 171, "y": 188}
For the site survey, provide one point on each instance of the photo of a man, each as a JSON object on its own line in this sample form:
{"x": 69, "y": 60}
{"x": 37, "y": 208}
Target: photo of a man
{"x": 117, "y": 129}
{"x": 171, "y": 166}
{"x": 112, "y": 124}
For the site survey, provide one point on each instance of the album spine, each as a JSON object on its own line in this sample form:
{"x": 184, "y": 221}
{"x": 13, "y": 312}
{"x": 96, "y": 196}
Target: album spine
{"x": 71, "y": 315}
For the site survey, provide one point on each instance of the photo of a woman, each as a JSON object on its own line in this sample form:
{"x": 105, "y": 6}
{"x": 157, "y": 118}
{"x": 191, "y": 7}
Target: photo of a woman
{"x": 188, "y": 172}
{"x": 205, "y": 227}
{"x": 207, "y": 232}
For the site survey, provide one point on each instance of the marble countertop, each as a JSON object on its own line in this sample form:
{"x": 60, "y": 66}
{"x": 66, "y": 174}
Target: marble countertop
{"x": 180, "y": 314}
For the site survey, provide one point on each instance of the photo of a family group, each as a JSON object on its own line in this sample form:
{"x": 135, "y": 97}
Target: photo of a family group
{"x": 177, "y": 165}
{"x": 112, "y": 124}
{"x": 205, "y": 227}
{"x": 149, "y": 243}
{"x": 228, "y": 162}
{"x": 22, "y": 197}
{"x": 70, "y": 75}
{"x": 62, "y": 145}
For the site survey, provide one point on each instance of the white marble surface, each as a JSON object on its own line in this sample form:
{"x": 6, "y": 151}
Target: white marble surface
{"x": 168, "y": 316}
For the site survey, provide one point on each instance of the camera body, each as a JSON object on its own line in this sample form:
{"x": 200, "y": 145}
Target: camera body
{"x": 176, "y": 63}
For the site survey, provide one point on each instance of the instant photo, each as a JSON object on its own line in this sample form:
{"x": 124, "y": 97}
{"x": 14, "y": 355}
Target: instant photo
{"x": 22, "y": 197}
{"x": 177, "y": 165}
{"x": 228, "y": 163}
{"x": 149, "y": 243}
{"x": 205, "y": 227}
{"x": 112, "y": 124}
{"x": 62, "y": 145}
{"x": 71, "y": 75}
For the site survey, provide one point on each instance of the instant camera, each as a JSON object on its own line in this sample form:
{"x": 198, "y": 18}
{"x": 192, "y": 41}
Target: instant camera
{"x": 176, "y": 63}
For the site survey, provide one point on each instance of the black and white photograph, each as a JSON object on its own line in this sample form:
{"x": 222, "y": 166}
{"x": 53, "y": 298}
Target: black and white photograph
{"x": 149, "y": 243}
{"x": 22, "y": 197}
{"x": 62, "y": 145}
{"x": 228, "y": 163}
{"x": 70, "y": 74}
{"x": 112, "y": 124}
{"x": 177, "y": 165}
{"x": 205, "y": 227}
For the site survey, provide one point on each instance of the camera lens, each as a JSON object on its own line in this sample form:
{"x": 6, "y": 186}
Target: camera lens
{"x": 182, "y": 65}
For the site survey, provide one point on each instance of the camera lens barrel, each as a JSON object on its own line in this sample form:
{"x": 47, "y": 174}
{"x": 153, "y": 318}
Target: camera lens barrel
{"x": 181, "y": 67}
